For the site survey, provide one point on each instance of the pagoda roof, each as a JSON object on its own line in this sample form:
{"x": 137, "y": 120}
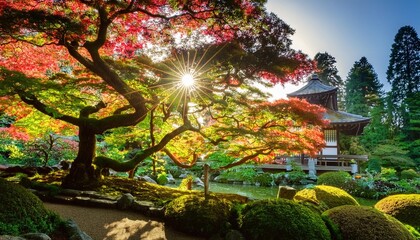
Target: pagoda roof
{"x": 348, "y": 123}
{"x": 314, "y": 86}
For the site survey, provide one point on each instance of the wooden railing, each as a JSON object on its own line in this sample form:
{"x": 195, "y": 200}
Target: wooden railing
{"x": 341, "y": 160}
{"x": 322, "y": 163}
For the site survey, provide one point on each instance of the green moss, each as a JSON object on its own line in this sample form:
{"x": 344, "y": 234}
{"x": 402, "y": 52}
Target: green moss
{"x": 404, "y": 207}
{"x": 22, "y": 212}
{"x": 328, "y": 195}
{"x": 199, "y": 216}
{"x": 359, "y": 222}
{"x": 336, "y": 179}
{"x": 281, "y": 219}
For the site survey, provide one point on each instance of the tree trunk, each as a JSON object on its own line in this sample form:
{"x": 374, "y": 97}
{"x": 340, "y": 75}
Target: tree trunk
{"x": 82, "y": 173}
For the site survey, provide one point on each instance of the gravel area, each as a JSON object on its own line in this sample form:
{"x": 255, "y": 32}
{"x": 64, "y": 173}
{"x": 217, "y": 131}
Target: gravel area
{"x": 112, "y": 224}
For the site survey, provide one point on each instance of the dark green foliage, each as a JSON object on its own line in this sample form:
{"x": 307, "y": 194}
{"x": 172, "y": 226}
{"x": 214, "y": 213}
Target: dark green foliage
{"x": 327, "y": 71}
{"x": 6, "y": 120}
{"x": 379, "y": 186}
{"x": 374, "y": 165}
{"x": 295, "y": 177}
{"x": 281, "y": 219}
{"x": 328, "y": 195}
{"x": 404, "y": 207}
{"x": 404, "y": 65}
{"x": 363, "y": 89}
{"x": 409, "y": 174}
{"x": 336, "y": 179}
{"x": 360, "y": 222}
{"x": 404, "y": 76}
{"x": 22, "y": 212}
{"x": 379, "y": 128}
{"x": 199, "y": 216}
{"x": 245, "y": 173}
{"x": 412, "y": 128}
{"x": 393, "y": 155}
{"x": 265, "y": 179}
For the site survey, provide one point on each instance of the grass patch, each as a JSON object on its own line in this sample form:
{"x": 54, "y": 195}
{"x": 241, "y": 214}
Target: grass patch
{"x": 366, "y": 202}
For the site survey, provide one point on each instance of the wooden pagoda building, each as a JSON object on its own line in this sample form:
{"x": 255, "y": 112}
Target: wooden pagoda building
{"x": 329, "y": 159}
{"x": 316, "y": 92}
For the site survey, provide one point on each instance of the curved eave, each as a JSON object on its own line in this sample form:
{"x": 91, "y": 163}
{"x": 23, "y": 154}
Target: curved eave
{"x": 348, "y": 123}
{"x": 314, "y": 94}
{"x": 314, "y": 87}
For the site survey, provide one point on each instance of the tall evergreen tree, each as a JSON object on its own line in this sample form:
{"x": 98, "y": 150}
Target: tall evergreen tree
{"x": 363, "y": 89}
{"x": 404, "y": 65}
{"x": 378, "y": 130}
{"x": 404, "y": 75}
{"x": 412, "y": 129}
{"x": 328, "y": 73}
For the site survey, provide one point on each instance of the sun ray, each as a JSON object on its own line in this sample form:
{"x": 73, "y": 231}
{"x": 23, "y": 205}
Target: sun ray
{"x": 198, "y": 86}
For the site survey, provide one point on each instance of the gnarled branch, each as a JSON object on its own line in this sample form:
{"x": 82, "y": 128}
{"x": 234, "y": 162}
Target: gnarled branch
{"x": 178, "y": 162}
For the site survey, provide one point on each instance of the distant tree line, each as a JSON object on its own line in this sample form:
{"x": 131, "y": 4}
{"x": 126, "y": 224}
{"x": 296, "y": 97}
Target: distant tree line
{"x": 392, "y": 139}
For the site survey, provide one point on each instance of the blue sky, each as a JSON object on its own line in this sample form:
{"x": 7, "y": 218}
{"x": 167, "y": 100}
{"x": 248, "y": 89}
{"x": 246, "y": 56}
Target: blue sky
{"x": 347, "y": 30}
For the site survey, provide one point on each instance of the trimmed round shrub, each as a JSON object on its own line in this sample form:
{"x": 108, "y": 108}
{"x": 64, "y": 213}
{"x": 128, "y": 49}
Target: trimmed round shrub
{"x": 404, "y": 207}
{"x": 409, "y": 174}
{"x": 281, "y": 219}
{"x": 336, "y": 179}
{"x": 22, "y": 212}
{"x": 325, "y": 195}
{"x": 360, "y": 222}
{"x": 199, "y": 216}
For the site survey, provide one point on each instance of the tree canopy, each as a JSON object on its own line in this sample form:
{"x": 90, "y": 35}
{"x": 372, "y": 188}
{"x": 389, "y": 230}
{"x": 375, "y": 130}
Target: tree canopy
{"x": 404, "y": 64}
{"x": 363, "y": 89}
{"x": 101, "y": 65}
{"x": 327, "y": 71}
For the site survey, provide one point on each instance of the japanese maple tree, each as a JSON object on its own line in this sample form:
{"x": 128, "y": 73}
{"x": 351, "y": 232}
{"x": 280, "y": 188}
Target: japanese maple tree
{"x": 101, "y": 65}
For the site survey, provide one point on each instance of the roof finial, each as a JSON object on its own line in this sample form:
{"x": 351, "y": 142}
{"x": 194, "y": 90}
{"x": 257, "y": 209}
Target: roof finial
{"x": 315, "y": 76}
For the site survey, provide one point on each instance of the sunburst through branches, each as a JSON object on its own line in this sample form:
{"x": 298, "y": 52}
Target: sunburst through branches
{"x": 187, "y": 77}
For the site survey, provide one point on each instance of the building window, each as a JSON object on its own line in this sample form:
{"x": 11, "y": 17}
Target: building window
{"x": 330, "y": 137}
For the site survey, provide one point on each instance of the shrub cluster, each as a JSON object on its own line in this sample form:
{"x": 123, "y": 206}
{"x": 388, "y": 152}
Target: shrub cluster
{"x": 336, "y": 179}
{"x": 199, "y": 216}
{"x": 281, "y": 219}
{"x": 325, "y": 195}
{"x": 404, "y": 207}
{"x": 409, "y": 174}
{"x": 359, "y": 222}
{"x": 22, "y": 212}
{"x": 288, "y": 219}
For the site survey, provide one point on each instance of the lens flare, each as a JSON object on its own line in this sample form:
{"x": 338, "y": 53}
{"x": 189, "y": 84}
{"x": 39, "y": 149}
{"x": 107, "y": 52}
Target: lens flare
{"x": 188, "y": 80}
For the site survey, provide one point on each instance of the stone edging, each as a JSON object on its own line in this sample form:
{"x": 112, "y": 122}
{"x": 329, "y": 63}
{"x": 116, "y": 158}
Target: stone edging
{"x": 89, "y": 199}
{"x": 93, "y": 199}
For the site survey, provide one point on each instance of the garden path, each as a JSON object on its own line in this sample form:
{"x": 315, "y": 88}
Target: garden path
{"x": 112, "y": 224}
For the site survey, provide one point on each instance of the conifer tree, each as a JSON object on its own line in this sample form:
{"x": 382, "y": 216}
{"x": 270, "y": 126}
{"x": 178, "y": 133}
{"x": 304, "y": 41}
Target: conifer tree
{"x": 363, "y": 89}
{"x": 404, "y": 65}
{"x": 327, "y": 71}
{"x": 404, "y": 73}
{"x": 328, "y": 74}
